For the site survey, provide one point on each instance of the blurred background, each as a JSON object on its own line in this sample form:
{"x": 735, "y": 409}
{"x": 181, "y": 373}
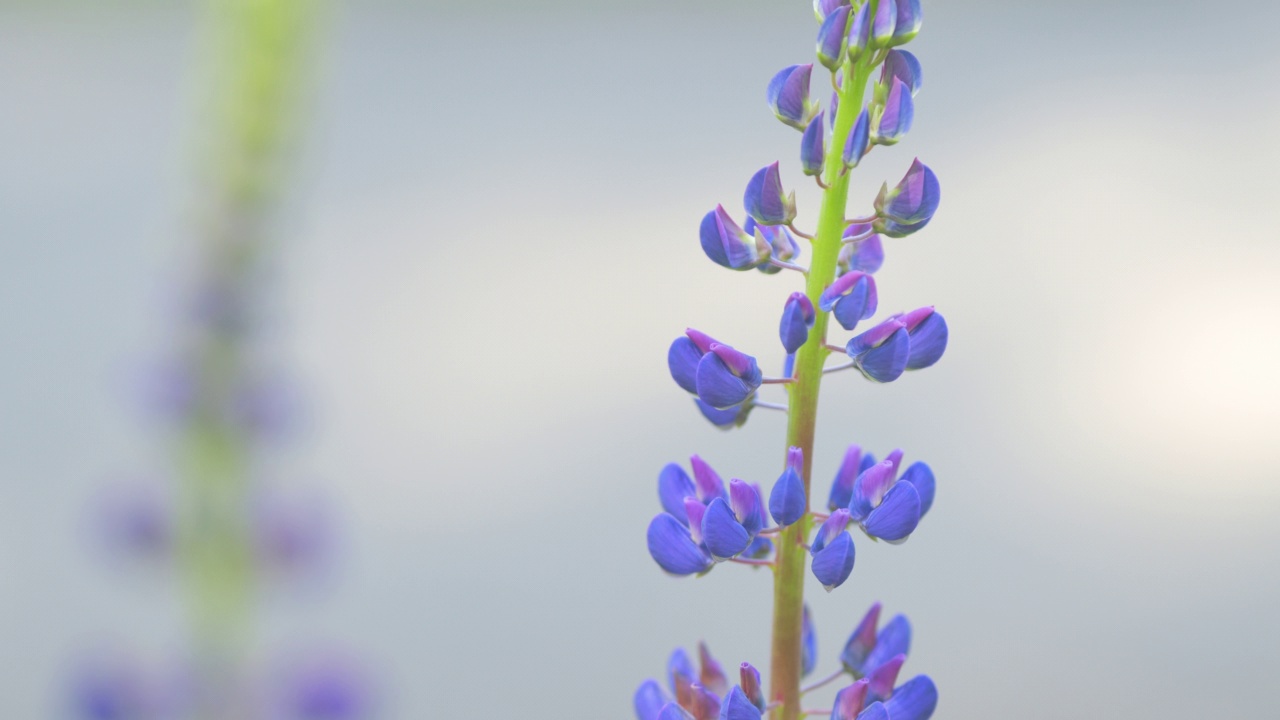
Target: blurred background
{"x": 488, "y": 243}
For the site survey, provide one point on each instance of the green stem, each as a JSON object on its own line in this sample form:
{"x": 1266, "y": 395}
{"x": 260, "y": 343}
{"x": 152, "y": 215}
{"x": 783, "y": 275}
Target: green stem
{"x": 788, "y": 587}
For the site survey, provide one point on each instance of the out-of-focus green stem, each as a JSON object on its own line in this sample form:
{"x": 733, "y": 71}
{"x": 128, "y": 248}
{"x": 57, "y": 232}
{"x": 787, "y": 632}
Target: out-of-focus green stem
{"x": 257, "y": 47}
{"x": 788, "y": 587}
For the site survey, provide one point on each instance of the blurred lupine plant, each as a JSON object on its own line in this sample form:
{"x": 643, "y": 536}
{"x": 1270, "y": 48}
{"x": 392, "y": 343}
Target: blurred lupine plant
{"x": 222, "y": 531}
{"x": 707, "y": 522}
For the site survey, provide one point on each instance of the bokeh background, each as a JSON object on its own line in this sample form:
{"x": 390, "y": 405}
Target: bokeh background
{"x": 491, "y": 242}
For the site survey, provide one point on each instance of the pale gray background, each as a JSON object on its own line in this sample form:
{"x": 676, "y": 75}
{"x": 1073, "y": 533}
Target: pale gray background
{"x": 493, "y": 241}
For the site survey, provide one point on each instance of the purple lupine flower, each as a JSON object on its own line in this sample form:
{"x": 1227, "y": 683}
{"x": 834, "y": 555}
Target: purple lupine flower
{"x": 749, "y": 681}
{"x": 904, "y": 66}
{"x": 883, "y": 25}
{"x": 787, "y": 501}
{"x": 726, "y": 377}
{"x": 813, "y": 146}
{"x": 859, "y": 33}
{"x": 706, "y": 480}
{"x": 833, "y": 551}
{"x": 858, "y": 142}
{"x": 782, "y": 245}
{"x": 907, "y": 24}
{"x": 880, "y": 681}
{"x": 798, "y": 317}
{"x": 711, "y": 673}
{"x": 849, "y": 701}
{"x": 913, "y": 200}
{"x": 865, "y": 255}
{"x": 928, "y": 331}
{"x": 916, "y": 699}
{"x": 729, "y": 245}
{"x": 893, "y": 120}
{"x": 673, "y": 547}
{"x": 920, "y": 475}
{"x": 861, "y": 641}
{"x": 766, "y": 201}
{"x": 738, "y": 706}
{"x": 683, "y": 357}
{"x": 788, "y": 95}
{"x": 850, "y": 299}
{"x": 728, "y": 528}
{"x": 894, "y": 639}
{"x": 823, "y": 8}
{"x": 808, "y": 643}
{"x": 851, "y": 466}
{"x": 832, "y": 38}
{"x": 881, "y": 353}
{"x": 649, "y": 700}
{"x": 885, "y": 507}
{"x": 728, "y": 418}
{"x": 674, "y": 486}
{"x": 325, "y": 689}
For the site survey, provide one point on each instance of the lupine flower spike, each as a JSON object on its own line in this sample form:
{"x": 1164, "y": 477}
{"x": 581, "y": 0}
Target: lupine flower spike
{"x": 704, "y": 521}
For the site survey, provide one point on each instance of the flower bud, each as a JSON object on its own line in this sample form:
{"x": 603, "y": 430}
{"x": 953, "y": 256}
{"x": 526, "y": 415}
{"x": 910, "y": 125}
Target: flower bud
{"x": 808, "y": 643}
{"x": 849, "y": 701}
{"x": 813, "y": 146}
{"x": 913, "y": 200}
{"x": 674, "y": 486}
{"x": 832, "y": 37}
{"x": 749, "y": 681}
{"x": 904, "y": 66}
{"x": 726, "y": 377}
{"x": 788, "y": 95}
{"x": 893, "y": 120}
{"x": 798, "y": 316}
{"x": 706, "y": 480}
{"x": 833, "y": 564}
{"x": 649, "y": 700}
{"x": 928, "y": 331}
{"x": 921, "y": 476}
{"x": 738, "y": 706}
{"x": 711, "y": 674}
{"x": 883, "y": 24}
{"x": 907, "y": 23}
{"x": 859, "y": 139}
{"x": 916, "y": 699}
{"x": 823, "y": 8}
{"x": 859, "y": 32}
{"x": 674, "y": 549}
{"x": 787, "y": 502}
{"x": 860, "y": 643}
{"x": 850, "y": 299}
{"x": 727, "y": 244}
{"x": 747, "y": 506}
{"x": 881, "y": 353}
{"x": 765, "y": 199}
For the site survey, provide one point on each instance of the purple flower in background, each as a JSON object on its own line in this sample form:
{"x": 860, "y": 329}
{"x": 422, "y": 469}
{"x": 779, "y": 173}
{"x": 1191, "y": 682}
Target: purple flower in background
{"x": 324, "y": 688}
{"x": 765, "y": 199}
{"x": 293, "y": 535}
